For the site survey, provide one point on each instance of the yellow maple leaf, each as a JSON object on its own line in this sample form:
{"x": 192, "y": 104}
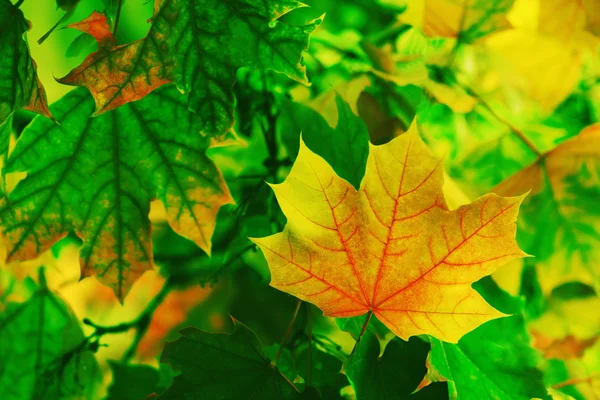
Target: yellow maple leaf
{"x": 393, "y": 247}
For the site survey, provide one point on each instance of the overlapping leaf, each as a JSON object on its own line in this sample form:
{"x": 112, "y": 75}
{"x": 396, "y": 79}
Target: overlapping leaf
{"x": 224, "y": 367}
{"x": 39, "y": 350}
{"x": 116, "y": 75}
{"x": 19, "y": 83}
{"x": 376, "y": 377}
{"x": 494, "y": 361}
{"x": 99, "y": 179}
{"x": 564, "y": 201}
{"x": 198, "y": 44}
{"x": 393, "y": 247}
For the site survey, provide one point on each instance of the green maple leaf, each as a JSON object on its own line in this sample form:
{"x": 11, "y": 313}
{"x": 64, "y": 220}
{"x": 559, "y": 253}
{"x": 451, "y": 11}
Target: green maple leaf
{"x": 325, "y": 368}
{"x": 495, "y": 360}
{"x": 198, "y": 44}
{"x": 224, "y": 367}
{"x": 97, "y": 176}
{"x": 345, "y": 148}
{"x": 211, "y": 39}
{"x": 376, "y": 377}
{"x": 132, "y": 381}
{"x": 39, "y": 351}
{"x": 19, "y": 83}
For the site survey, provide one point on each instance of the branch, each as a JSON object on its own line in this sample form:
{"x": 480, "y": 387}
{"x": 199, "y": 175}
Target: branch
{"x": 140, "y": 324}
{"x": 512, "y": 128}
{"x": 18, "y": 3}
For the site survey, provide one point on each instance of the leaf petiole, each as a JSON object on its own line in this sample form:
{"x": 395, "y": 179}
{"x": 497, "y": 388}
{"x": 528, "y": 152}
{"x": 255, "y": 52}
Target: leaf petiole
{"x": 117, "y": 17}
{"x": 287, "y": 333}
{"x": 362, "y": 332}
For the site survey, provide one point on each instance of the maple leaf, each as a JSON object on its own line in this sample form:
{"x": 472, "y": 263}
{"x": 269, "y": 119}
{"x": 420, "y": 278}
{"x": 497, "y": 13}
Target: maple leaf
{"x": 132, "y": 381}
{"x": 564, "y": 192}
{"x": 485, "y": 362}
{"x": 198, "y": 44}
{"x": 19, "y": 83}
{"x": 211, "y": 39}
{"x": 237, "y": 357}
{"x": 393, "y": 247}
{"x": 38, "y": 338}
{"x": 116, "y": 75}
{"x": 375, "y": 377}
{"x": 100, "y": 177}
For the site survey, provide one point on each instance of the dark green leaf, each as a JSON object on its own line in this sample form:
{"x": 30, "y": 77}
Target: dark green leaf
{"x": 223, "y": 367}
{"x": 345, "y": 148}
{"x": 132, "y": 382}
{"x": 211, "y": 39}
{"x": 41, "y": 352}
{"x": 380, "y": 378}
{"x": 19, "y": 83}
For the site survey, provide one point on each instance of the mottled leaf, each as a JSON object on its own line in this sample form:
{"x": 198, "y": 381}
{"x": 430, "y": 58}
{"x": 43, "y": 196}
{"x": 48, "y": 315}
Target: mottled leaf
{"x": 99, "y": 177}
{"x": 200, "y": 45}
{"x": 116, "y": 75}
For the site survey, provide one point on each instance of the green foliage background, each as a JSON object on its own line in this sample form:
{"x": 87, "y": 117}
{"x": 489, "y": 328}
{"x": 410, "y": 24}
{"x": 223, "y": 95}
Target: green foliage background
{"x": 512, "y": 104}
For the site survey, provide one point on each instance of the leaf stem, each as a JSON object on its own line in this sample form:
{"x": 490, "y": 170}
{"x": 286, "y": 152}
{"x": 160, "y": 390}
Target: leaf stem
{"x": 510, "y": 126}
{"x": 117, "y": 18}
{"x": 573, "y": 381}
{"x": 18, "y": 3}
{"x": 362, "y": 332}
{"x": 310, "y": 347}
{"x": 287, "y": 333}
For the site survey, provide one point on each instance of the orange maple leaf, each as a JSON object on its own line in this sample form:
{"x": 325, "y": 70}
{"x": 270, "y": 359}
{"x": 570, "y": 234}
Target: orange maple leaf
{"x": 116, "y": 75}
{"x": 393, "y": 247}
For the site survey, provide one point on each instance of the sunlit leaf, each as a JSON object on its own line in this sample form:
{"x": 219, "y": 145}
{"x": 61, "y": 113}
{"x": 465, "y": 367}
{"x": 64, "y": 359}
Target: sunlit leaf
{"x": 494, "y": 361}
{"x": 393, "y": 247}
